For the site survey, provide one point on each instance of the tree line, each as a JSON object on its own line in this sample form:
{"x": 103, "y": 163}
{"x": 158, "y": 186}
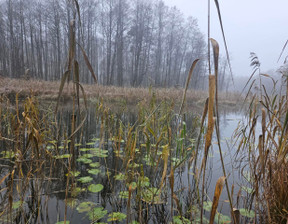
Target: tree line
{"x": 128, "y": 42}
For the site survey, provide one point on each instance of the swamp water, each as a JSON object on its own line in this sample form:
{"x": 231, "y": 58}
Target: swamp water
{"x": 125, "y": 168}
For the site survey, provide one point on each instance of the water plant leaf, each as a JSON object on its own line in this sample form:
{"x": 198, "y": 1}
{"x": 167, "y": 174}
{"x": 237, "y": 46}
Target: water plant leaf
{"x": 96, "y": 164}
{"x": 73, "y": 173}
{"x": 17, "y": 204}
{"x": 144, "y": 181}
{"x": 151, "y": 195}
{"x": 247, "y": 189}
{"x": 116, "y": 216}
{"x": 75, "y": 191}
{"x": 124, "y": 194}
{"x": 207, "y": 206}
{"x": 8, "y": 154}
{"x": 64, "y": 156}
{"x": 180, "y": 220}
{"x": 85, "y": 179}
{"x": 120, "y": 176}
{"x": 222, "y": 219}
{"x": 72, "y": 202}
{"x": 97, "y": 213}
{"x": 94, "y": 188}
{"x": 63, "y": 222}
{"x": 84, "y": 160}
{"x": 247, "y": 213}
{"x": 90, "y": 143}
{"x": 94, "y": 171}
{"x": 85, "y": 206}
{"x": 88, "y": 156}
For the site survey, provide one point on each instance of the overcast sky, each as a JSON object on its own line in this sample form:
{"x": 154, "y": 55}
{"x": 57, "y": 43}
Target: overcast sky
{"x": 258, "y": 26}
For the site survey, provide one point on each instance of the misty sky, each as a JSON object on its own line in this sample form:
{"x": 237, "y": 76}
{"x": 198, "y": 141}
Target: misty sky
{"x": 258, "y": 26}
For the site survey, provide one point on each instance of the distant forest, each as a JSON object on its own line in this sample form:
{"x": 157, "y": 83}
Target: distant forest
{"x": 128, "y": 42}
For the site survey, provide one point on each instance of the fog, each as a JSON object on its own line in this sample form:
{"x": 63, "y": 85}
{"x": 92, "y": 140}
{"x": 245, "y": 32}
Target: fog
{"x": 250, "y": 26}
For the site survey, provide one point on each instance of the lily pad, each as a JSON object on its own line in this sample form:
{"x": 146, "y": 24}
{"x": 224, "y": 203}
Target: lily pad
{"x": 222, "y": 219}
{"x": 72, "y": 202}
{"x": 94, "y": 171}
{"x": 207, "y": 206}
{"x": 180, "y": 220}
{"x": 96, "y": 164}
{"x": 8, "y": 154}
{"x": 85, "y": 179}
{"x": 74, "y": 173}
{"x": 248, "y": 189}
{"x": 247, "y": 213}
{"x": 94, "y": 188}
{"x": 116, "y": 216}
{"x": 64, "y": 156}
{"x": 97, "y": 213}
{"x": 120, "y": 177}
{"x": 77, "y": 190}
{"x": 124, "y": 194}
{"x": 85, "y": 206}
{"x": 62, "y": 222}
{"x": 151, "y": 195}
{"x": 84, "y": 160}
{"x": 17, "y": 204}
{"x": 88, "y": 156}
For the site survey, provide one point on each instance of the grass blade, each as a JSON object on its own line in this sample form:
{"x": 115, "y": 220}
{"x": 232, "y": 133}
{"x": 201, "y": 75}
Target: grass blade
{"x": 187, "y": 84}
{"x": 63, "y": 80}
{"x": 224, "y": 38}
{"x": 88, "y": 64}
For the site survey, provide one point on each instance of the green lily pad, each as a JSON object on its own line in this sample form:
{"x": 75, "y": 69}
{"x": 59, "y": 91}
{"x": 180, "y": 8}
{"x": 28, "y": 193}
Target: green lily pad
{"x": 8, "y": 154}
{"x": 77, "y": 190}
{"x": 62, "y": 222}
{"x": 64, "y": 156}
{"x": 180, "y": 220}
{"x": 222, "y": 219}
{"x": 248, "y": 189}
{"x": 84, "y": 149}
{"x": 74, "y": 173}
{"x": 97, "y": 213}
{"x": 151, "y": 195}
{"x": 207, "y": 206}
{"x": 88, "y": 156}
{"x": 96, "y": 164}
{"x": 84, "y": 160}
{"x": 95, "y": 139}
{"x": 94, "y": 188}
{"x": 17, "y": 204}
{"x": 124, "y": 194}
{"x": 120, "y": 177}
{"x": 94, "y": 171}
{"x": 85, "y": 206}
{"x": 247, "y": 213}
{"x": 72, "y": 202}
{"x": 85, "y": 179}
{"x": 116, "y": 216}
{"x": 90, "y": 143}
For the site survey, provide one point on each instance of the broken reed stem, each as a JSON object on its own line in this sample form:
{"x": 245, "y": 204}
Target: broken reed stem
{"x": 208, "y": 136}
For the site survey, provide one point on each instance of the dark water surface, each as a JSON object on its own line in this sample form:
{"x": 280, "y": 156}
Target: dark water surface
{"x": 45, "y": 193}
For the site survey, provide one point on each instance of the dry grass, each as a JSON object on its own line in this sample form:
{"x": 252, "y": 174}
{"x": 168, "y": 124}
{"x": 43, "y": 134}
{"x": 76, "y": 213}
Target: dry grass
{"x": 49, "y": 91}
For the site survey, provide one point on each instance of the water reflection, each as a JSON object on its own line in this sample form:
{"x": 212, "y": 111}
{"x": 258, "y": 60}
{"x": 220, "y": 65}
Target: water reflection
{"x": 43, "y": 194}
